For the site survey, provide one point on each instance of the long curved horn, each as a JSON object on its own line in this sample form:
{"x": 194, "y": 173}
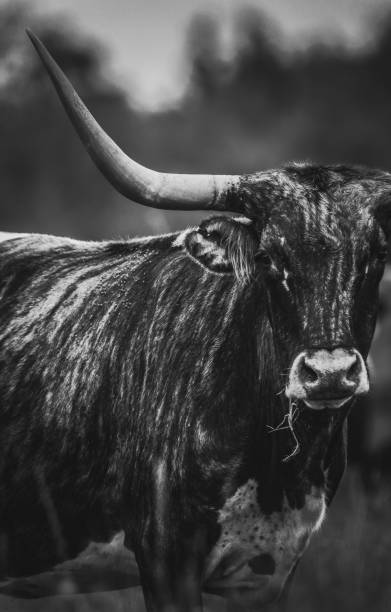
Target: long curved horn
{"x": 155, "y": 189}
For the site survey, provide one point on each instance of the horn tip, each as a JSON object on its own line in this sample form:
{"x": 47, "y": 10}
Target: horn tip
{"x": 34, "y": 39}
{"x": 30, "y": 34}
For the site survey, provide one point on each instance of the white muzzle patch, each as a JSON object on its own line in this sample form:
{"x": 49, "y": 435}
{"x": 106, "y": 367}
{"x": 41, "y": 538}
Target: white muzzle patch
{"x": 327, "y": 379}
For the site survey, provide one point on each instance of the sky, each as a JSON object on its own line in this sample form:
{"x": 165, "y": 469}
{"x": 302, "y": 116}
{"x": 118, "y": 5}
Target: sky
{"x": 145, "y": 38}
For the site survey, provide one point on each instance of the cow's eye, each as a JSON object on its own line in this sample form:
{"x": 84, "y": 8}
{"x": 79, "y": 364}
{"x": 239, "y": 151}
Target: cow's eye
{"x": 210, "y": 234}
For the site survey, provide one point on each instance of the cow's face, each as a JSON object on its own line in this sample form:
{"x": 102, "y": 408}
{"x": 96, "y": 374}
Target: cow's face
{"x": 319, "y": 253}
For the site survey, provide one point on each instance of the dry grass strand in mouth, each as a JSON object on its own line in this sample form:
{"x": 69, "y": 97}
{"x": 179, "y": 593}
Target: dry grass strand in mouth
{"x": 287, "y": 423}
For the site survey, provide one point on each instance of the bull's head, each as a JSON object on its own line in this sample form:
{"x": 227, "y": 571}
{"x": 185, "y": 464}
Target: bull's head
{"x": 314, "y": 237}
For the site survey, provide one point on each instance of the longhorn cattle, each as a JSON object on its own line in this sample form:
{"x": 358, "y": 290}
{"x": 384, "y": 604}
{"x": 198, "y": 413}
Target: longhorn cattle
{"x": 190, "y": 389}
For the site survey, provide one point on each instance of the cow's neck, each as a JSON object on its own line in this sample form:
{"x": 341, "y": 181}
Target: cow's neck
{"x": 292, "y": 447}
{"x": 289, "y": 464}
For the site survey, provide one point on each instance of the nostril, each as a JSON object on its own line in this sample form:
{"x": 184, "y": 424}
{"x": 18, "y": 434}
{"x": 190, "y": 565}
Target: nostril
{"x": 354, "y": 371}
{"x": 308, "y": 374}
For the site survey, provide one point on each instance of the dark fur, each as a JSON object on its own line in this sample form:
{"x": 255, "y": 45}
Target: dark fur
{"x": 115, "y": 355}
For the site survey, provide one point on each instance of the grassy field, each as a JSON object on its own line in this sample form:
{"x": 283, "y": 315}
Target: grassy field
{"x": 346, "y": 568}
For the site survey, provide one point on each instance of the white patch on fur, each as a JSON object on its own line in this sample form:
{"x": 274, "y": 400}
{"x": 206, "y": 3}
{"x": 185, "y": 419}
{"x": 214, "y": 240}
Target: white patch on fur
{"x": 161, "y": 481}
{"x": 180, "y": 238}
{"x": 246, "y": 533}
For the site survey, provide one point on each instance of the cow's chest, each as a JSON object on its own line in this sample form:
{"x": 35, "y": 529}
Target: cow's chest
{"x": 255, "y": 552}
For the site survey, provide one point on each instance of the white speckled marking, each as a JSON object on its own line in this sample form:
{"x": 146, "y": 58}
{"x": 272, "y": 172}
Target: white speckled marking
{"x": 247, "y": 534}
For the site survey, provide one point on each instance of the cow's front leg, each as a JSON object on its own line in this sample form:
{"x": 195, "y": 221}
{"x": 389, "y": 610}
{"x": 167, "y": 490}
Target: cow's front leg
{"x": 171, "y": 577}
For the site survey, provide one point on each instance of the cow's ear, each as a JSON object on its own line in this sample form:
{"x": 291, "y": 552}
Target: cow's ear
{"x": 224, "y": 246}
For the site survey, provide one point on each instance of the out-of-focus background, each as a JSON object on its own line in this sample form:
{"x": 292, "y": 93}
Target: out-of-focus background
{"x": 212, "y": 86}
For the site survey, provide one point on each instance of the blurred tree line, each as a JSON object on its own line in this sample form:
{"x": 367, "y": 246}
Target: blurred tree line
{"x": 261, "y": 107}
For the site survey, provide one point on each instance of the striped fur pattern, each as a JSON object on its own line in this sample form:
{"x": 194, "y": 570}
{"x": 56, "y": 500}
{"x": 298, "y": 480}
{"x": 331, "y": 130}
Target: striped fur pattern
{"x": 141, "y": 380}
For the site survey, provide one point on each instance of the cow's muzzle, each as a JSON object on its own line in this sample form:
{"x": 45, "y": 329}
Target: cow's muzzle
{"x": 327, "y": 379}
